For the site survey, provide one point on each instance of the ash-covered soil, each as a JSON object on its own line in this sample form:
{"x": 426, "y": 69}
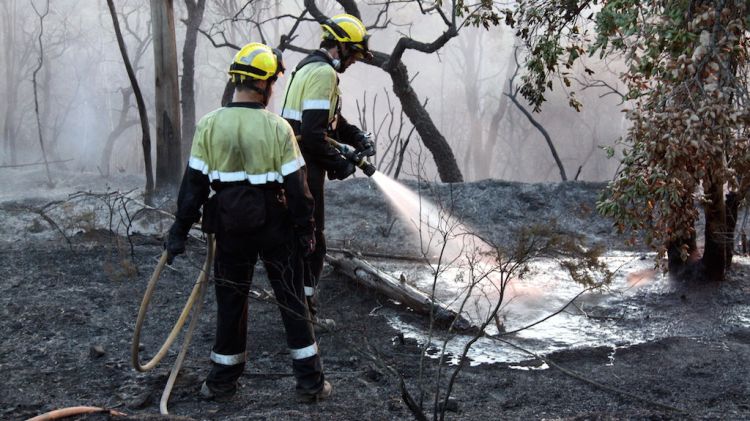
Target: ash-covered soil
{"x": 68, "y": 312}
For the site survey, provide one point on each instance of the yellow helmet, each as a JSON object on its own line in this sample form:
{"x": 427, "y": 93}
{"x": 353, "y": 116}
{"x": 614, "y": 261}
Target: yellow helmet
{"x": 256, "y": 61}
{"x": 348, "y": 29}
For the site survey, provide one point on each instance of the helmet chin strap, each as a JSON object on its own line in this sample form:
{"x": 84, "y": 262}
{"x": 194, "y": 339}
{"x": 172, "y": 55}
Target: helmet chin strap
{"x": 339, "y": 63}
{"x": 267, "y": 94}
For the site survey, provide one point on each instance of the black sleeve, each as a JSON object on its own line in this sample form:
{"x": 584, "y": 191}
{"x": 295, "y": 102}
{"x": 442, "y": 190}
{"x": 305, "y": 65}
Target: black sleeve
{"x": 313, "y": 143}
{"x": 349, "y": 133}
{"x": 300, "y": 201}
{"x": 193, "y": 194}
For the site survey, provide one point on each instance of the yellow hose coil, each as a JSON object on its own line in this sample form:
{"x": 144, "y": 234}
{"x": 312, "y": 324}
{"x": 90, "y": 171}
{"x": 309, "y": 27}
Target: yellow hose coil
{"x": 198, "y": 293}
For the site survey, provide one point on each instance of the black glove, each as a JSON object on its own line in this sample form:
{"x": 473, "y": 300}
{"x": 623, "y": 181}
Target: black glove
{"x": 366, "y": 141}
{"x": 306, "y": 244}
{"x": 176, "y": 239}
{"x": 341, "y": 170}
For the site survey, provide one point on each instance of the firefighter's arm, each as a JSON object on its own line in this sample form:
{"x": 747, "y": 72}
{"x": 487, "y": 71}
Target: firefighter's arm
{"x": 352, "y": 135}
{"x": 293, "y": 170}
{"x": 315, "y": 146}
{"x": 313, "y": 130}
{"x": 193, "y": 194}
{"x": 301, "y": 205}
{"x": 299, "y": 199}
{"x": 321, "y": 93}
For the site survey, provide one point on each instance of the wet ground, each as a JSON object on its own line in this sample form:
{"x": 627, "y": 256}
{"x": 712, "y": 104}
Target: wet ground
{"x": 656, "y": 350}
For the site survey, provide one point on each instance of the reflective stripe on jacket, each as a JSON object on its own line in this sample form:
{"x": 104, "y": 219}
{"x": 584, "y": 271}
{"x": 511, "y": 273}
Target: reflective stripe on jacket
{"x": 244, "y": 143}
{"x": 314, "y": 86}
{"x": 238, "y": 143}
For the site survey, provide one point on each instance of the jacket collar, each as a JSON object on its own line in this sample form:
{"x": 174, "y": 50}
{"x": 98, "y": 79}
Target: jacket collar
{"x": 253, "y": 105}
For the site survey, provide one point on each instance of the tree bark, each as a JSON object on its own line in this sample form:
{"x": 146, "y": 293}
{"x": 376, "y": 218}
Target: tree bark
{"x": 169, "y": 164}
{"x": 676, "y": 266}
{"x": 187, "y": 84}
{"x": 142, "y": 112}
{"x": 36, "y": 88}
{"x": 15, "y": 59}
{"x": 433, "y": 140}
{"x": 123, "y": 123}
{"x": 732, "y": 204}
{"x": 544, "y": 133}
{"x": 488, "y": 152}
{"x": 717, "y": 236}
{"x": 398, "y": 290}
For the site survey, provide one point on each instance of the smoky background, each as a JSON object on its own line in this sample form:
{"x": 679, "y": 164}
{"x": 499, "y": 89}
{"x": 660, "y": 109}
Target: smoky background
{"x": 90, "y": 122}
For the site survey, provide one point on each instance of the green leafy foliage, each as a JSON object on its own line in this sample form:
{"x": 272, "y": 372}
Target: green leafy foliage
{"x": 687, "y": 84}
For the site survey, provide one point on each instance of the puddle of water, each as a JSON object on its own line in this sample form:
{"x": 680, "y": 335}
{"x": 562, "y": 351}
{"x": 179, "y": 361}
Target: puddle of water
{"x": 639, "y": 306}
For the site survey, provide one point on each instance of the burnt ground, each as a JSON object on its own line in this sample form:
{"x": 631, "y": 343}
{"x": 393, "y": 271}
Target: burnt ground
{"x": 68, "y": 311}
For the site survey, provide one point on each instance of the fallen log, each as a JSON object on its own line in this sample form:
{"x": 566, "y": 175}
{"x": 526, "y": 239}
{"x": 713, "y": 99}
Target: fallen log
{"x": 366, "y": 274}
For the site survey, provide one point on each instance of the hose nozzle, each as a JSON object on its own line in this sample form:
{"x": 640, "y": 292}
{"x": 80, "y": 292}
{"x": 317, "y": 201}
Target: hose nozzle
{"x": 356, "y": 158}
{"x": 366, "y": 167}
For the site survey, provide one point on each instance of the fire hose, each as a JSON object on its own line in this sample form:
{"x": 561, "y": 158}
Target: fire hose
{"x": 195, "y": 299}
{"x": 352, "y": 155}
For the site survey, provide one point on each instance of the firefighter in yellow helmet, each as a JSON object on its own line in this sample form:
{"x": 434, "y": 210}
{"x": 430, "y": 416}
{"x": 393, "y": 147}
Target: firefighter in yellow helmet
{"x": 312, "y": 103}
{"x": 262, "y": 209}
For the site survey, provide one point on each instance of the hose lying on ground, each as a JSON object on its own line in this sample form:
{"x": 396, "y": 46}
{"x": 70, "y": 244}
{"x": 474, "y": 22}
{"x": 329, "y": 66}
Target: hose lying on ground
{"x": 197, "y": 295}
{"x": 73, "y": 411}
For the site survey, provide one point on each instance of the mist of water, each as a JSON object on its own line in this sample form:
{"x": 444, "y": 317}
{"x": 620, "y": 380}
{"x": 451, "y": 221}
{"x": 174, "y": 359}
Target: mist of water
{"x": 545, "y": 289}
{"x": 465, "y": 269}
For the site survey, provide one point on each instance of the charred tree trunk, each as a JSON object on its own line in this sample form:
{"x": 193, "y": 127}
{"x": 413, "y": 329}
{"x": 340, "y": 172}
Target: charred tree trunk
{"x": 488, "y": 153}
{"x": 187, "y": 88}
{"x": 123, "y": 123}
{"x": 732, "y": 204}
{"x": 676, "y": 265}
{"x": 717, "y": 236}
{"x": 398, "y": 290}
{"x": 15, "y": 58}
{"x": 142, "y": 112}
{"x": 512, "y": 94}
{"x": 431, "y": 137}
{"x": 544, "y": 133}
{"x": 169, "y": 162}
{"x": 41, "y": 16}
{"x": 476, "y": 160}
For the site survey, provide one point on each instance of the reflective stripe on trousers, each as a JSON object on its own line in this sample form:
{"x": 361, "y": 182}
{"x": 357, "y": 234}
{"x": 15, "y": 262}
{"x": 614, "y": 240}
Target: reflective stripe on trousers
{"x": 228, "y": 359}
{"x": 306, "y": 352}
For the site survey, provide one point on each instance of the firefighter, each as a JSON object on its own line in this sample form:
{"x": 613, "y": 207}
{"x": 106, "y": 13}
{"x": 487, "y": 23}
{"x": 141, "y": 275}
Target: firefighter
{"x": 312, "y": 103}
{"x": 263, "y": 209}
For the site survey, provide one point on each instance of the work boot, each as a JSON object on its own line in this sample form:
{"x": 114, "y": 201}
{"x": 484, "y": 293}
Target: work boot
{"x": 218, "y": 393}
{"x": 314, "y": 397}
{"x": 321, "y": 325}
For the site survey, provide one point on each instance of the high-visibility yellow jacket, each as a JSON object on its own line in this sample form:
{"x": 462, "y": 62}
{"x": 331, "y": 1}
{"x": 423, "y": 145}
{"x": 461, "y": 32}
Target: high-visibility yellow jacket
{"x": 243, "y": 144}
{"x": 312, "y": 104}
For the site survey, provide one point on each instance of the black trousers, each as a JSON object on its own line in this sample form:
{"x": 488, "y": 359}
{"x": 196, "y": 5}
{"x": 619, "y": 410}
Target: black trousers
{"x": 236, "y": 256}
{"x": 313, "y": 265}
